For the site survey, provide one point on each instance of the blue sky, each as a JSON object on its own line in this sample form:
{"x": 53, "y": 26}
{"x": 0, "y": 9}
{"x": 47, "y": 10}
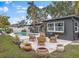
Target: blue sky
{"x": 17, "y": 9}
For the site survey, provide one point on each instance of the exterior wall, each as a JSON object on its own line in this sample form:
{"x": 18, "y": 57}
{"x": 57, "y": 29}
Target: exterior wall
{"x": 68, "y": 30}
{"x": 16, "y": 29}
{"x": 35, "y": 29}
{"x": 76, "y": 34}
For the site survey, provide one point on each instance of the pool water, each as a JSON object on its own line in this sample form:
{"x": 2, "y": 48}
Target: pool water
{"x": 22, "y": 33}
{"x": 26, "y": 33}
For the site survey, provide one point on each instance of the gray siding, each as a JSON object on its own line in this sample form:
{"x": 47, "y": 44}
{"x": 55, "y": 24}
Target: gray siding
{"x": 68, "y": 30}
{"x": 76, "y": 34}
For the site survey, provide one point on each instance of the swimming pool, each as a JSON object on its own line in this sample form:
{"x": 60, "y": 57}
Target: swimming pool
{"x": 22, "y": 33}
{"x": 26, "y": 33}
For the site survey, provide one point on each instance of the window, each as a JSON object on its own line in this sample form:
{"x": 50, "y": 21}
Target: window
{"x": 50, "y": 27}
{"x": 59, "y": 26}
{"x": 76, "y": 27}
{"x": 55, "y": 27}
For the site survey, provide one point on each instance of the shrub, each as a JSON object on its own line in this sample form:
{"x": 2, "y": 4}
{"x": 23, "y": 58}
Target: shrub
{"x": 24, "y": 30}
{"x": 9, "y": 30}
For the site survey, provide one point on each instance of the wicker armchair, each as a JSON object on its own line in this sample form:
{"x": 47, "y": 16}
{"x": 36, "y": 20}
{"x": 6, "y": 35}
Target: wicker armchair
{"x": 53, "y": 39}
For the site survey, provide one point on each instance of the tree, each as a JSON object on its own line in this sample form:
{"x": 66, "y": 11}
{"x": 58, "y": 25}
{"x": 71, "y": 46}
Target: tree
{"x": 76, "y": 7}
{"x": 42, "y": 14}
{"x": 32, "y": 11}
{"x": 4, "y": 23}
{"x": 60, "y": 8}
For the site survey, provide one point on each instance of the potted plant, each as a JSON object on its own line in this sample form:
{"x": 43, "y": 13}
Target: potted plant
{"x": 24, "y": 30}
{"x": 31, "y": 37}
{"x": 22, "y": 45}
{"x": 16, "y": 40}
{"x": 41, "y": 40}
{"x": 42, "y": 52}
{"x": 27, "y": 47}
{"x": 60, "y": 47}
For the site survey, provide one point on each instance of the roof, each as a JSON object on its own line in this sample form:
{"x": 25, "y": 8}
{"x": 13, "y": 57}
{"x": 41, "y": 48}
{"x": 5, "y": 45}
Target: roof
{"x": 63, "y": 18}
{"x": 36, "y": 24}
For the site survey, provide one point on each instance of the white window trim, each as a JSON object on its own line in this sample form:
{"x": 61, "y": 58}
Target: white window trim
{"x": 54, "y": 27}
{"x": 63, "y": 26}
{"x": 77, "y": 30}
{"x": 48, "y": 27}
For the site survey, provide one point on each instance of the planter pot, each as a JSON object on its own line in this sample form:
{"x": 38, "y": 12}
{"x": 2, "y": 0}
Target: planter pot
{"x": 60, "y": 48}
{"x": 41, "y": 40}
{"x": 32, "y": 39}
{"x": 41, "y": 44}
{"x": 27, "y": 47}
{"x": 42, "y": 52}
{"x": 42, "y": 34}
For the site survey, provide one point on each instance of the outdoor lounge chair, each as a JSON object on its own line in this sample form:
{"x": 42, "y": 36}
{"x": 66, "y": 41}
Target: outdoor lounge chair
{"x": 53, "y": 38}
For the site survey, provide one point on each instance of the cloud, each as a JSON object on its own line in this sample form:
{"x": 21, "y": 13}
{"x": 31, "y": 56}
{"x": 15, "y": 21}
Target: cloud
{"x": 49, "y": 17}
{"x": 18, "y": 6}
{"x": 8, "y": 2}
{"x": 24, "y": 8}
{"x": 4, "y": 9}
{"x": 41, "y": 7}
{"x": 21, "y": 11}
{"x": 1, "y": 9}
{"x": 21, "y": 8}
{"x": 15, "y": 20}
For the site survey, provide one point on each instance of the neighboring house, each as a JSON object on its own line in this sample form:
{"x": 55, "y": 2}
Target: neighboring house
{"x": 16, "y": 28}
{"x": 67, "y": 27}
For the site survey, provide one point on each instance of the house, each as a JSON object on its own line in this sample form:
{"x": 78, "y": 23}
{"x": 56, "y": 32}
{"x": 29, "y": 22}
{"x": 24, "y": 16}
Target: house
{"x": 18, "y": 27}
{"x": 67, "y": 27}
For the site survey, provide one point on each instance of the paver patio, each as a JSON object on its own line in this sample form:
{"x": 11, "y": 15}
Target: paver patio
{"x": 50, "y": 46}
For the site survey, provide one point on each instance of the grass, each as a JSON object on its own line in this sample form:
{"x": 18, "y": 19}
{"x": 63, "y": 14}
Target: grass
{"x": 10, "y": 50}
{"x": 71, "y": 51}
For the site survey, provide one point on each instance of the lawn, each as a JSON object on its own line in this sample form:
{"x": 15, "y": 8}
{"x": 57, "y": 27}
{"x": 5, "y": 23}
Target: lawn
{"x": 71, "y": 51}
{"x": 10, "y": 50}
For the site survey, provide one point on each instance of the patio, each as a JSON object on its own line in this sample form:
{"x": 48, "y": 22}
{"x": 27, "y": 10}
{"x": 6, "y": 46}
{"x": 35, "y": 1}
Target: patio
{"x": 50, "y": 46}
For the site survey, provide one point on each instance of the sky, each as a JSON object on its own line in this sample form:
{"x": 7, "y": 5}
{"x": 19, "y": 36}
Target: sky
{"x": 16, "y": 10}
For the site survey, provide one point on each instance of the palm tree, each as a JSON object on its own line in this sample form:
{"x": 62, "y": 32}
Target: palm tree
{"x": 32, "y": 11}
